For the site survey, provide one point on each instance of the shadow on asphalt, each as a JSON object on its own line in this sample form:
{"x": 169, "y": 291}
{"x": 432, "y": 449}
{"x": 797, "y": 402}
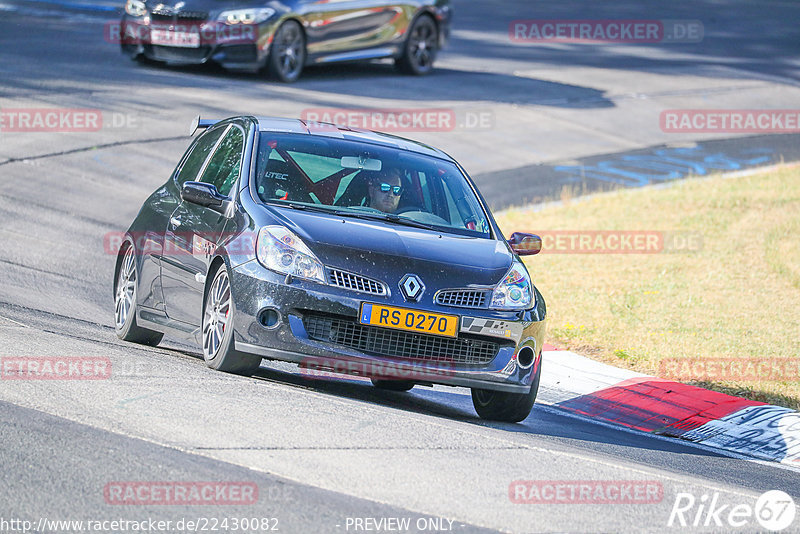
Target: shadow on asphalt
{"x": 735, "y": 35}
{"x": 544, "y": 421}
{"x": 530, "y": 184}
{"x": 381, "y": 79}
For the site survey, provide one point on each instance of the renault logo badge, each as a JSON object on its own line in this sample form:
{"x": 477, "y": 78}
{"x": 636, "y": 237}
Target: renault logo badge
{"x": 412, "y": 287}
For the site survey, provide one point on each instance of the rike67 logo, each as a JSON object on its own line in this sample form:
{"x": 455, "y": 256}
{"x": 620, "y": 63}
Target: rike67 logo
{"x": 774, "y": 511}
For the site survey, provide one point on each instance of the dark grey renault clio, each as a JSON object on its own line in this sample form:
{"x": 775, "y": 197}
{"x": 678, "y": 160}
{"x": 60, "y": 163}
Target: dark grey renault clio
{"x": 341, "y": 250}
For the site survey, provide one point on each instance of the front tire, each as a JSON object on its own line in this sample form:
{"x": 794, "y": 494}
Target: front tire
{"x": 503, "y": 406}
{"x": 420, "y": 49}
{"x": 392, "y": 385}
{"x": 125, "y": 290}
{"x": 144, "y": 61}
{"x": 217, "y": 333}
{"x": 287, "y": 55}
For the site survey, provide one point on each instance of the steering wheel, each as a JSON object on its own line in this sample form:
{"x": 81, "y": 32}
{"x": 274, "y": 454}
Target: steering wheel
{"x": 416, "y": 214}
{"x": 406, "y": 209}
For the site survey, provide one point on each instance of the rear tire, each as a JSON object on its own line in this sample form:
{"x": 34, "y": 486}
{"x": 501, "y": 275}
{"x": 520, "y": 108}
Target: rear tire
{"x": 125, "y": 291}
{"x": 392, "y": 385}
{"x": 287, "y": 54}
{"x": 217, "y": 332}
{"x": 503, "y": 406}
{"x": 419, "y": 51}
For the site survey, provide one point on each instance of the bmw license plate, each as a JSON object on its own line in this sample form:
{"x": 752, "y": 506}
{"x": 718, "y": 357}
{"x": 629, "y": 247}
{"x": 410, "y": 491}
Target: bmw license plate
{"x": 170, "y": 37}
{"x": 406, "y": 319}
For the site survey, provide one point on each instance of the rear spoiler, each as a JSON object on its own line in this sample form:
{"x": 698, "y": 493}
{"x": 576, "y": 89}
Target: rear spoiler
{"x": 200, "y": 124}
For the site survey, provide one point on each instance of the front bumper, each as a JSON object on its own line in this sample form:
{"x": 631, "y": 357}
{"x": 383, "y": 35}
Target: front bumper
{"x": 231, "y": 57}
{"x": 255, "y": 289}
{"x": 244, "y": 48}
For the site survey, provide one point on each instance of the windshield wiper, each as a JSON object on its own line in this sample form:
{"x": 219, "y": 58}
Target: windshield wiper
{"x": 409, "y": 222}
{"x": 386, "y": 217}
{"x": 300, "y": 206}
{"x": 389, "y": 217}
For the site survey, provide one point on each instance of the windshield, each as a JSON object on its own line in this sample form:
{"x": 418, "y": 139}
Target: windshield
{"x": 354, "y": 179}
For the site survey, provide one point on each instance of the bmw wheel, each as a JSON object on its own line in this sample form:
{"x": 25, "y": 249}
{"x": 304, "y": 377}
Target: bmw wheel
{"x": 503, "y": 406}
{"x": 217, "y": 334}
{"x": 419, "y": 52}
{"x": 288, "y": 52}
{"x": 125, "y": 302}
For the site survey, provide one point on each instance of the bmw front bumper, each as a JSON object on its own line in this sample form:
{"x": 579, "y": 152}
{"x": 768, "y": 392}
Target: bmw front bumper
{"x": 238, "y": 49}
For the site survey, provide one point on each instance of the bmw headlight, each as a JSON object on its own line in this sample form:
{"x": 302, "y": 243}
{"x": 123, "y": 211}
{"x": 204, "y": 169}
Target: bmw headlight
{"x": 280, "y": 250}
{"x": 515, "y": 291}
{"x": 135, "y": 8}
{"x": 246, "y": 16}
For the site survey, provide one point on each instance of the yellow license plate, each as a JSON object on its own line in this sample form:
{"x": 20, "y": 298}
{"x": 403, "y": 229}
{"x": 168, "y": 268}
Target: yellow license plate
{"x": 411, "y": 320}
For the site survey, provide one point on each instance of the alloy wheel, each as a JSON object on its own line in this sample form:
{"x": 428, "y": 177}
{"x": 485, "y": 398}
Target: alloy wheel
{"x": 422, "y": 45}
{"x": 217, "y": 314}
{"x": 126, "y": 289}
{"x": 290, "y": 50}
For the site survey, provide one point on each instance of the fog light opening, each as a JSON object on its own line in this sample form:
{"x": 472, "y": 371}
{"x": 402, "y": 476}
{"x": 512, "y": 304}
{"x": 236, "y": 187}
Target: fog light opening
{"x": 269, "y": 317}
{"x": 525, "y": 357}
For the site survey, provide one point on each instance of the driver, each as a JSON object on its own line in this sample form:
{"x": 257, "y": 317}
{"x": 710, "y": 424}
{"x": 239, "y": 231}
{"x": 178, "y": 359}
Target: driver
{"x": 385, "y": 190}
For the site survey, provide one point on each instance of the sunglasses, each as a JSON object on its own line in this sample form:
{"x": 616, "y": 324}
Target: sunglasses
{"x": 396, "y": 189}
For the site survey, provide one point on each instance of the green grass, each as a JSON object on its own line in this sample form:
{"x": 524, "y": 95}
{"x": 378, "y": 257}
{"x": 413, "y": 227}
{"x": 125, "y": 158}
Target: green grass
{"x": 738, "y": 296}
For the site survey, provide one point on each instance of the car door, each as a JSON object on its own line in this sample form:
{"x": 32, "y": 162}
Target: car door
{"x": 342, "y": 25}
{"x": 194, "y": 230}
{"x": 157, "y": 210}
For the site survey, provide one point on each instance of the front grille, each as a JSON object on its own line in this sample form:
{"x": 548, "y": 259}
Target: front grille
{"x": 162, "y": 15}
{"x": 463, "y": 298}
{"x": 398, "y": 344}
{"x": 356, "y": 282}
{"x": 179, "y": 54}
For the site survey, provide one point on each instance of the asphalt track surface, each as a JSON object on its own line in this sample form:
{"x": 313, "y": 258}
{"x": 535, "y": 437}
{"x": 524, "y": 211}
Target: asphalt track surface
{"x": 321, "y": 452}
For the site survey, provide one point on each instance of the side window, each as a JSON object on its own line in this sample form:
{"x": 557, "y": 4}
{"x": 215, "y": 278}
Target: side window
{"x": 194, "y": 162}
{"x": 223, "y": 167}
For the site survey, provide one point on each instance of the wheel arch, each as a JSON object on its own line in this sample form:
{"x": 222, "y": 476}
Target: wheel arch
{"x": 280, "y": 23}
{"x": 212, "y": 271}
{"x": 426, "y": 11}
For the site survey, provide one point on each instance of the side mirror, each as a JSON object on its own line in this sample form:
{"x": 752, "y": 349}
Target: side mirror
{"x": 525, "y": 244}
{"x": 202, "y": 194}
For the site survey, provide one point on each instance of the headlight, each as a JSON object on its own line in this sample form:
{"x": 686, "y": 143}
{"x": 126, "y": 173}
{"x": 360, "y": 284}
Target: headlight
{"x": 246, "y": 16}
{"x": 135, "y": 8}
{"x": 280, "y": 250}
{"x": 515, "y": 291}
